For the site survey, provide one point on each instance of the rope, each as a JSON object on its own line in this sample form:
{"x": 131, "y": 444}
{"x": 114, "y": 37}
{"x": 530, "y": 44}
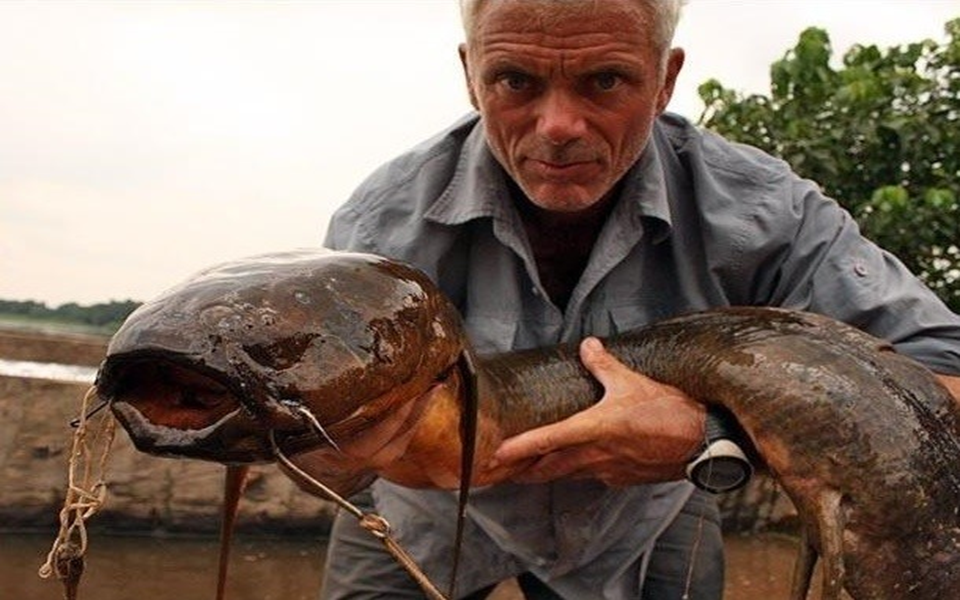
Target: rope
{"x": 374, "y": 523}
{"x": 85, "y": 496}
{"x": 86, "y": 493}
{"x": 380, "y": 529}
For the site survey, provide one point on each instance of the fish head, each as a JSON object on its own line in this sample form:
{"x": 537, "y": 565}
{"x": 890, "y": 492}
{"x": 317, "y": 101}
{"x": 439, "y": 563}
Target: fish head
{"x": 299, "y": 351}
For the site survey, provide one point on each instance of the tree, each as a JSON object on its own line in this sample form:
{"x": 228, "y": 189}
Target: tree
{"x": 104, "y": 316}
{"x": 880, "y": 134}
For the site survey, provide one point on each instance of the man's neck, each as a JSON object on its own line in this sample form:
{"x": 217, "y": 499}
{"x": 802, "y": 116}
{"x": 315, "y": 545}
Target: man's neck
{"x": 562, "y": 242}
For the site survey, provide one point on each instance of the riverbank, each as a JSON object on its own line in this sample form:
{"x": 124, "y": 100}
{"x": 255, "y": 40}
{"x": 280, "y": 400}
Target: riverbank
{"x": 48, "y": 344}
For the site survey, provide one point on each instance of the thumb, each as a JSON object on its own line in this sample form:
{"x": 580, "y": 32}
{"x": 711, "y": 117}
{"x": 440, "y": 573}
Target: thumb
{"x": 605, "y": 367}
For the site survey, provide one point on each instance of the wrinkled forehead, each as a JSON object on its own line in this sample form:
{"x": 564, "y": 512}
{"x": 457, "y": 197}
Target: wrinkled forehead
{"x": 551, "y": 29}
{"x": 561, "y": 18}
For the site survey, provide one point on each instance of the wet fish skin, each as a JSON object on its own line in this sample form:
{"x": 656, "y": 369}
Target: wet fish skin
{"x": 233, "y": 352}
{"x": 866, "y": 442}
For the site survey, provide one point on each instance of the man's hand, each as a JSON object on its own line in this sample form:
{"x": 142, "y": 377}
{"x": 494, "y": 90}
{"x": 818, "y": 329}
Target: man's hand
{"x": 641, "y": 431}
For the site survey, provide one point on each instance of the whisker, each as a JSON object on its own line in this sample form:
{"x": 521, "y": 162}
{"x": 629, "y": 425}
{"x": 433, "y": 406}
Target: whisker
{"x": 316, "y": 424}
{"x": 340, "y": 500}
{"x": 75, "y": 423}
{"x": 372, "y": 522}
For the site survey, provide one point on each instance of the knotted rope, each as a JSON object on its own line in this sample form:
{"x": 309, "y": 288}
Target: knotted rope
{"x": 86, "y": 493}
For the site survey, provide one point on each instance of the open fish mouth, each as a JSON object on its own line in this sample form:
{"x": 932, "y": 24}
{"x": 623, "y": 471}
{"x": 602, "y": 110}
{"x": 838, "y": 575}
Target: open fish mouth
{"x": 301, "y": 347}
{"x": 173, "y": 409}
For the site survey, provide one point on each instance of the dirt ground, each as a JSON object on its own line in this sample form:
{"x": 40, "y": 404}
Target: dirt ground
{"x": 40, "y": 346}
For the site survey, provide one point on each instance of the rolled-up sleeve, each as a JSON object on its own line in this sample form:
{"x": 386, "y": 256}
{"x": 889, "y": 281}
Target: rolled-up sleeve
{"x": 831, "y": 268}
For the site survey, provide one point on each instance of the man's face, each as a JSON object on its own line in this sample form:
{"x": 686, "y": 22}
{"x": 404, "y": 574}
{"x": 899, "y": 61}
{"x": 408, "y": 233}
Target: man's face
{"x": 568, "y": 94}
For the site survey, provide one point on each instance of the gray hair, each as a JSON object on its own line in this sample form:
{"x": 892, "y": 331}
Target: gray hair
{"x": 666, "y": 15}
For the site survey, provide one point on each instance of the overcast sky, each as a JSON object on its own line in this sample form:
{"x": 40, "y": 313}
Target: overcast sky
{"x": 142, "y": 141}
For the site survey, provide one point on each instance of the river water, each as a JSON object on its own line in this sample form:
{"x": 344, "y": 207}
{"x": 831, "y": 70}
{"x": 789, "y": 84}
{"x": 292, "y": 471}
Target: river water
{"x": 147, "y": 568}
{"x": 45, "y": 370}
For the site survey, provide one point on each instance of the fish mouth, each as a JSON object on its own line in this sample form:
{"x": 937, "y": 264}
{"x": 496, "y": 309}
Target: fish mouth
{"x": 174, "y": 409}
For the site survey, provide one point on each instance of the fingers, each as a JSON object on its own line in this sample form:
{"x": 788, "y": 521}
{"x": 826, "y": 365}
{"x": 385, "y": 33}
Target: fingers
{"x": 563, "y": 464}
{"x": 542, "y": 441}
{"x": 564, "y": 451}
{"x": 638, "y": 432}
{"x": 555, "y": 450}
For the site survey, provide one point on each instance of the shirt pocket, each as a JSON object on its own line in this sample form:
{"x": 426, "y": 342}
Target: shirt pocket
{"x": 626, "y": 317}
{"x": 620, "y": 319}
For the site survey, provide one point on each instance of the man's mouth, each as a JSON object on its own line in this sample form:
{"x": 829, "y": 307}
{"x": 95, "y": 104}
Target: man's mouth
{"x": 563, "y": 169}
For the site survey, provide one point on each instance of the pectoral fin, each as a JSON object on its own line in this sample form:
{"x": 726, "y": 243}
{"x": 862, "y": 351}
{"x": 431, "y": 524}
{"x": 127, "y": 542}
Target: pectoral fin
{"x": 831, "y": 522}
{"x": 803, "y": 570}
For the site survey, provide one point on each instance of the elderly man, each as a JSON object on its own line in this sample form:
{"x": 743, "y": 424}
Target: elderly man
{"x": 572, "y": 205}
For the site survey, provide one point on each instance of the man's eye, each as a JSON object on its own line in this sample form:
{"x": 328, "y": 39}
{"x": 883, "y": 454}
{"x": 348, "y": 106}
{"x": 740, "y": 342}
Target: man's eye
{"x": 516, "y": 82}
{"x": 607, "y": 81}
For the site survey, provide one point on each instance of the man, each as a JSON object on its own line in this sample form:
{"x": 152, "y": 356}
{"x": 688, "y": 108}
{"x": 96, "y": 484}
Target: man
{"x": 573, "y": 206}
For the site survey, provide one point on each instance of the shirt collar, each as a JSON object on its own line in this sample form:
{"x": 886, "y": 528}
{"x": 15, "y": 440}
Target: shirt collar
{"x": 644, "y": 197}
{"x": 478, "y": 187}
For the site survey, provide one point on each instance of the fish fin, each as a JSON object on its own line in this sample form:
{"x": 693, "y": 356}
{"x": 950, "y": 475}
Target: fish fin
{"x": 468, "y": 444}
{"x": 831, "y": 544}
{"x": 803, "y": 570}
{"x": 233, "y": 482}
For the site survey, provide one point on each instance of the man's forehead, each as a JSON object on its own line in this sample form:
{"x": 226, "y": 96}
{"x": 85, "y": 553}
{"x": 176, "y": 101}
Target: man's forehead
{"x": 560, "y": 17}
{"x": 562, "y": 24}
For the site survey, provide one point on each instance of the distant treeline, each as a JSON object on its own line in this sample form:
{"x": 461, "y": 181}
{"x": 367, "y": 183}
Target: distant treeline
{"x": 106, "y": 316}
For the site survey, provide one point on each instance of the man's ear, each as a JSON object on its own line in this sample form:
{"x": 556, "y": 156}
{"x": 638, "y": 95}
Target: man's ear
{"x": 673, "y": 67}
{"x": 466, "y": 74}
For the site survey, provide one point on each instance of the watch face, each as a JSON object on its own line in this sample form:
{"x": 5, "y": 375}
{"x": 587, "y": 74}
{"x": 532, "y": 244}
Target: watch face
{"x": 720, "y": 474}
{"x": 722, "y": 467}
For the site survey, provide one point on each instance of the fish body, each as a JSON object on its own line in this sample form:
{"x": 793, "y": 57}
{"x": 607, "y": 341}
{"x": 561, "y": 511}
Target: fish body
{"x": 865, "y": 441}
{"x": 354, "y": 365}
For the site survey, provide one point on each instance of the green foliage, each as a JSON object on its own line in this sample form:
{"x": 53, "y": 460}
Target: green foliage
{"x": 104, "y": 316}
{"x": 880, "y": 133}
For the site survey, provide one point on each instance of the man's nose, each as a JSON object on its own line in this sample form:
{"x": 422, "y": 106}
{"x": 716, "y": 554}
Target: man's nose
{"x": 560, "y": 119}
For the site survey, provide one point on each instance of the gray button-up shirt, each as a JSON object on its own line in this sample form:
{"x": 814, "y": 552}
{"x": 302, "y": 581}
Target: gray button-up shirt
{"x": 700, "y": 223}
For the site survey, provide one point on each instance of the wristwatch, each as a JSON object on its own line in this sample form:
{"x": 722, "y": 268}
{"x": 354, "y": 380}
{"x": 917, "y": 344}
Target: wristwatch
{"x": 720, "y": 465}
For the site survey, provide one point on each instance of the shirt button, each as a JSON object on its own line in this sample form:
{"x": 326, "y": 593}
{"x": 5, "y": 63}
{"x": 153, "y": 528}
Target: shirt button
{"x": 860, "y": 269}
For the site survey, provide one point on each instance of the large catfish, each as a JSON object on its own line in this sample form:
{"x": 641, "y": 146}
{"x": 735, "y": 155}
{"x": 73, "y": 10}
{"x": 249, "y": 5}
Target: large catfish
{"x": 354, "y": 366}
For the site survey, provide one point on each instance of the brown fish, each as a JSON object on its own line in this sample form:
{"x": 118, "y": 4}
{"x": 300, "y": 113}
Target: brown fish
{"x": 355, "y": 366}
